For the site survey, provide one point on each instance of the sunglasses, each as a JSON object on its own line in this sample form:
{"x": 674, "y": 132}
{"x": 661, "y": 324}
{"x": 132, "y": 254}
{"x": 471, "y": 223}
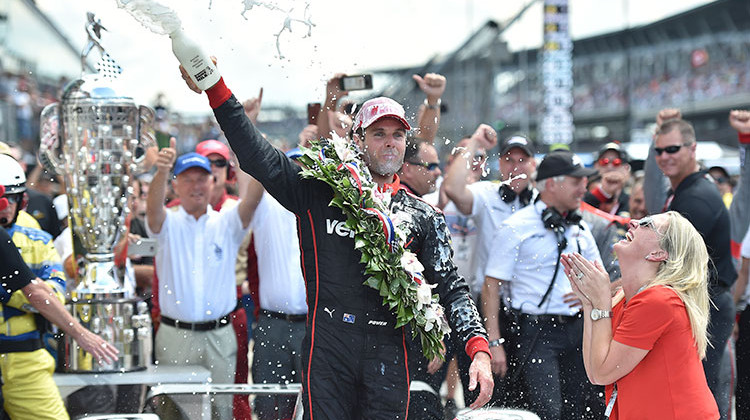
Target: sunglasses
{"x": 669, "y": 149}
{"x": 607, "y": 161}
{"x": 219, "y": 163}
{"x": 647, "y": 222}
{"x": 14, "y": 198}
{"x": 429, "y": 166}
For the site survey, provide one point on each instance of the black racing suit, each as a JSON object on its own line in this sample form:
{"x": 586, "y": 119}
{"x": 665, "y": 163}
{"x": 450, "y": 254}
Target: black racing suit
{"x": 354, "y": 360}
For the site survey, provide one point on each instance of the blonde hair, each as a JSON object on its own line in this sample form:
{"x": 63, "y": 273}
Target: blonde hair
{"x": 686, "y": 272}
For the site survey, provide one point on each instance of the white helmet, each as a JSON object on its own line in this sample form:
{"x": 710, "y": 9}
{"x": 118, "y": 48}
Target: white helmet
{"x": 11, "y": 175}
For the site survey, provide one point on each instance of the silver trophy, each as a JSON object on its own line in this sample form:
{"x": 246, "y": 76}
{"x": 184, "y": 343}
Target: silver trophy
{"x": 96, "y": 138}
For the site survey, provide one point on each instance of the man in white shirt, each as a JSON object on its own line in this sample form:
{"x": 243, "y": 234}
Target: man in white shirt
{"x": 197, "y": 247}
{"x": 278, "y": 334}
{"x": 489, "y": 203}
{"x": 545, "y": 351}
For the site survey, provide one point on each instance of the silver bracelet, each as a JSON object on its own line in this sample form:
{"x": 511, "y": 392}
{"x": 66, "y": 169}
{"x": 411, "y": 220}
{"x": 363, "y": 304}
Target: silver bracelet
{"x": 436, "y": 106}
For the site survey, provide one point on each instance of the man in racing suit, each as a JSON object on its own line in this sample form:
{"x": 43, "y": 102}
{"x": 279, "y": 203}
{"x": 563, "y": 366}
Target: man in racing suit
{"x": 354, "y": 360}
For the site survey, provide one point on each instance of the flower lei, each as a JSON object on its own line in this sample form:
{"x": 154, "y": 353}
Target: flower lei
{"x": 393, "y": 271}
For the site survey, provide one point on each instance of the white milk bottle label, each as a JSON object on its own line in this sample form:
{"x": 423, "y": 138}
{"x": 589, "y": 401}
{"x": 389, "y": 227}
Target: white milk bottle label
{"x": 199, "y": 66}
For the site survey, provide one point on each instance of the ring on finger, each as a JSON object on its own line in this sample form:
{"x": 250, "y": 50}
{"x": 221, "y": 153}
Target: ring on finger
{"x": 579, "y": 276}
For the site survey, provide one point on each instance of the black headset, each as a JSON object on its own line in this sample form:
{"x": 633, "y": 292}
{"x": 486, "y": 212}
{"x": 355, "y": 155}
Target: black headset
{"x": 508, "y": 195}
{"x": 556, "y": 222}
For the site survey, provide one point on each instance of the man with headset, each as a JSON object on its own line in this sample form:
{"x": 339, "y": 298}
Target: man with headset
{"x": 545, "y": 351}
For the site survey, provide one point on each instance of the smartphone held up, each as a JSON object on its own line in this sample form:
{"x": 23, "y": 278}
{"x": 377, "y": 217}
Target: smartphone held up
{"x": 356, "y": 82}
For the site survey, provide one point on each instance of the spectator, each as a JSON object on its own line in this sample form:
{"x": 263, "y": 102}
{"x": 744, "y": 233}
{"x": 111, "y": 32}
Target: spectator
{"x": 198, "y": 288}
{"x": 545, "y": 331}
{"x": 637, "y": 203}
{"x": 650, "y": 351}
{"x": 694, "y": 196}
{"x": 421, "y": 168}
{"x": 614, "y": 168}
{"x": 224, "y": 173}
{"x": 277, "y": 352}
{"x": 489, "y": 204}
{"x": 723, "y": 182}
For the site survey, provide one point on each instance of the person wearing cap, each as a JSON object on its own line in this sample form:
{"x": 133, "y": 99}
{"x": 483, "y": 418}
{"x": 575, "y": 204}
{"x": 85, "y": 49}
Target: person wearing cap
{"x": 694, "y": 195}
{"x": 489, "y": 203}
{"x": 544, "y": 323}
{"x": 354, "y": 359}
{"x": 195, "y": 260}
{"x": 222, "y": 169}
{"x": 614, "y": 168}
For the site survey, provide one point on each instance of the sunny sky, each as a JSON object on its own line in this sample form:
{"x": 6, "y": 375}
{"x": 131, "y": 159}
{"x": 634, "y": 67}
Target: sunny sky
{"x": 348, "y": 37}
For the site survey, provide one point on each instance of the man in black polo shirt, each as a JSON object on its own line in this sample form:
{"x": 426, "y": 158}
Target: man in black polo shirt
{"x": 695, "y": 196}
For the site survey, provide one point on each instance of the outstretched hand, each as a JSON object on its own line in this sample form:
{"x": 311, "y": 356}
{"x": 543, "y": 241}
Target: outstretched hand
{"x": 102, "y": 351}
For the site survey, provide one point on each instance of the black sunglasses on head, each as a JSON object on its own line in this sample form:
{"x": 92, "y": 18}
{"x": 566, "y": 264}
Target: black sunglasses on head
{"x": 669, "y": 149}
{"x": 219, "y": 163}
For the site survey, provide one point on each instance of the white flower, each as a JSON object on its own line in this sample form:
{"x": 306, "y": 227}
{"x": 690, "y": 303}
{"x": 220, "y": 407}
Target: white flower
{"x": 432, "y": 318}
{"x": 410, "y": 263}
{"x": 341, "y": 146}
{"x": 424, "y": 294}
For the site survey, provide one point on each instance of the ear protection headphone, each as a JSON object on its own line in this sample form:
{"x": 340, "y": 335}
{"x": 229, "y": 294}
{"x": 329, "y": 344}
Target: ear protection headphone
{"x": 508, "y": 195}
{"x": 556, "y": 222}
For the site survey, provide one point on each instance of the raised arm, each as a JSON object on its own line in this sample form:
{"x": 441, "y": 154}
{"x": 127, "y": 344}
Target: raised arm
{"x": 155, "y": 213}
{"x": 333, "y": 95}
{"x": 433, "y": 86}
{"x": 739, "y": 211}
{"x": 456, "y": 180}
{"x": 251, "y": 191}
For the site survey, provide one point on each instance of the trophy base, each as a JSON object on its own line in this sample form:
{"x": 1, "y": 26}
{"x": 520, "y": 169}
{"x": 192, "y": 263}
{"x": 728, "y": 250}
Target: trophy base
{"x": 123, "y": 323}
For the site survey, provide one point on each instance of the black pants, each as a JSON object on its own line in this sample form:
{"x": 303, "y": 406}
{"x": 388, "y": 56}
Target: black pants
{"x": 719, "y": 330}
{"x": 353, "y": 374}
{"x": 548, "y": 364}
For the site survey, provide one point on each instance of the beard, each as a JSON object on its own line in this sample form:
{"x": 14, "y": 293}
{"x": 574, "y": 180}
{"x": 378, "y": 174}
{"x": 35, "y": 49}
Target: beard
{"x": 383, "y": 167}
